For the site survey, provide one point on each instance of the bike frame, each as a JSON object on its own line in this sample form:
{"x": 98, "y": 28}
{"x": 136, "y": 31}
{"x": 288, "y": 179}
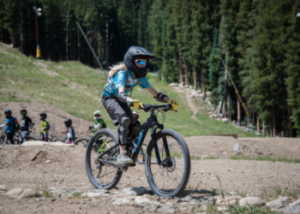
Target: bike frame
{"x": 151, "y": 123}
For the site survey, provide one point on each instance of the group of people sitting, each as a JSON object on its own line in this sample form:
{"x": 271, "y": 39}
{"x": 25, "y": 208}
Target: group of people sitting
{"x": 12, "y": 126}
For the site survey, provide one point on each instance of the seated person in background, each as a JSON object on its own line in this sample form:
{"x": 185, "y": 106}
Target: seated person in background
{"x": 26, "y": 124}
{"x": 70, "y": 131}
{"x": 45, "y": 126}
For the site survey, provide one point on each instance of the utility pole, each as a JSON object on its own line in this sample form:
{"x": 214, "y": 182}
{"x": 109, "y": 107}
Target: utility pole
{"x": 37, "y": 12}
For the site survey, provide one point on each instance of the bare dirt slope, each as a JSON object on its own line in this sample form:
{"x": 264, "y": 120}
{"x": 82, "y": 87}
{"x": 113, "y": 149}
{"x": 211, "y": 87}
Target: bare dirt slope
{"x": 55, "y": 117}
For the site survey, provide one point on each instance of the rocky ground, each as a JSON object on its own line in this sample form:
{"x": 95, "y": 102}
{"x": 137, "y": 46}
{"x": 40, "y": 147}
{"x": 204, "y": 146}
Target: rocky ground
{"x": 55, "y": 175}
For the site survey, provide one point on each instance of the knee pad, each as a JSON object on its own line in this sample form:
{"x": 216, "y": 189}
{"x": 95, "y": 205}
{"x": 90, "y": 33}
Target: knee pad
{"x": 123, "y": 129}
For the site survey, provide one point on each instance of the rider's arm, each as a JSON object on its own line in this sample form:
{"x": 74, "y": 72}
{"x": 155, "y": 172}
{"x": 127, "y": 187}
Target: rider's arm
{"x": 98, "y": 126}
{"x": 155, "y": 93}
{"x": 123, "y": 96}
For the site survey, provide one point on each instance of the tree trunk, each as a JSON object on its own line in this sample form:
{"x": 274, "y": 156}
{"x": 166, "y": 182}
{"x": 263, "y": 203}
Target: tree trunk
{"x": 195, "y": 79}
{"x": 270, "y": 124}
{"x": 99, "y": 46}
{"x": 257, "y": 123}
{"x": 238, "y": 111}
{"x": 78, "y": 45}
{"x": 203, "y": 81}
{"x": 274, "y": 122}
{"x": 21, "y": 28}
{"x": 290, "y": 121}
{"x": 185, "y": 73}
{"x": 67, "y": 26}
{"x": 264, "y": 131}
{"x": 224, "y": 110}
{"x": 252, "y": 120}
{"x": 180, "y": 67}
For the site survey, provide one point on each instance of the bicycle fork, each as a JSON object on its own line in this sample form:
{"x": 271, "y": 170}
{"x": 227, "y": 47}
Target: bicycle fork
{"x": 166, "y": 147}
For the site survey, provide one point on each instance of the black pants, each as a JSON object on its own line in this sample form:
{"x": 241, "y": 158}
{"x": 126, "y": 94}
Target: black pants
{"x": 10, "y": 137}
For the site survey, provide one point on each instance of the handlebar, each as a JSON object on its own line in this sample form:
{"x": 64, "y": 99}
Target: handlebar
{"x": 165, "y": 107}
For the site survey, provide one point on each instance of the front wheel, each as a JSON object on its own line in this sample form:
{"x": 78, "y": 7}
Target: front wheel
{"x": 102, "y": 175}
{"x": 169, "y": 178}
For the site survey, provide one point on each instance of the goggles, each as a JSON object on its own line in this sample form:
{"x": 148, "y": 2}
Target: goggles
{"x": 97, "y": 115}
{"x": 141, "y": 62}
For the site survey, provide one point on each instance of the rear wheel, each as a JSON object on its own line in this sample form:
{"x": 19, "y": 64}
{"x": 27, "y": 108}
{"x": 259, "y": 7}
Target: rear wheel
{"x": 3, "y": 138}
{"x": 102, "y": 176}
{"x": 28, "y": 138}
{"x": 169, "y": 178}
{"x": 82, "y": 141}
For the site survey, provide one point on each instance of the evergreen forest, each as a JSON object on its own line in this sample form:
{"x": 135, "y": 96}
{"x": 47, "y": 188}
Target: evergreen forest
{"x": 203, "y": 43}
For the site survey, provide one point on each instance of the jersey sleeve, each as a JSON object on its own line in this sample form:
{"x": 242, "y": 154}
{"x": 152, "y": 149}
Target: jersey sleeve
{"x": 144, "y": 83}
{"x": 120, "y": 79}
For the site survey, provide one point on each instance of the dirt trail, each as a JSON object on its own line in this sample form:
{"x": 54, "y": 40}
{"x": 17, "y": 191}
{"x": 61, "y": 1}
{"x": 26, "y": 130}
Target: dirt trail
{"x": 192, "y": 107}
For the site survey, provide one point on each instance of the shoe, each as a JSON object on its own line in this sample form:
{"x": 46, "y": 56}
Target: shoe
{"x": 124, "y": 159}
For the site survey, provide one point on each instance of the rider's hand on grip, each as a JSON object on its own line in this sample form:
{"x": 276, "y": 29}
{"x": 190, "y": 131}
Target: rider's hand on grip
{"x": 174, "y": 105}
{"x": 137, "y": 104}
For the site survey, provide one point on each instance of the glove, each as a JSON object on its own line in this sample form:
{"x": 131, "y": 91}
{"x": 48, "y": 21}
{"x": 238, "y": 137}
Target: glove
{"x": 174, "y": 105}
{"x": 91, "y": 127}
{"x": 136, "y": 104}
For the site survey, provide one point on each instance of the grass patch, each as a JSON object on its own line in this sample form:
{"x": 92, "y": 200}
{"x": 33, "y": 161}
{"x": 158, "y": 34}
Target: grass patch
{"x": 45, "y": 191}
{"x": 249, "y": 210}
{"x": 265, "y": 158}
{"x": 75, "y": 195}
{"x": 291, "y": 190}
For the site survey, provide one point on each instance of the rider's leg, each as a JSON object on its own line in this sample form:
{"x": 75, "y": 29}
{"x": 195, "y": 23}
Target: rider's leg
{"x": 124, "y": 122}
{"x": 121, "y": 114}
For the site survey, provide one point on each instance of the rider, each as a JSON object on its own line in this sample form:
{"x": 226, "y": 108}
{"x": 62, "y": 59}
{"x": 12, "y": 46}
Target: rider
{"x": 10, "y": 125}
{"x": 70, "y": 131}
{"x": 26, "y": 123}
{"x": 44, "y": 126}
{"x": 99, "y": 122}
{"x": 122, "y": 78}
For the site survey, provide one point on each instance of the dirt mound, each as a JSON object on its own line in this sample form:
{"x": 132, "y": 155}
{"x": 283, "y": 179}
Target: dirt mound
{"x": 55, "y": 117}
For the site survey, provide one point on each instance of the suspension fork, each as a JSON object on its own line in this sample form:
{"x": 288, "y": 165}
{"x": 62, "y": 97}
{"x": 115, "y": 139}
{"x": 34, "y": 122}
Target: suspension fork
{"x": 165, "y": 143}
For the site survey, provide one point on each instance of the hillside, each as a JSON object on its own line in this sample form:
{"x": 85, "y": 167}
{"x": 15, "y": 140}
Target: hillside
{"x": 73, "y": 87}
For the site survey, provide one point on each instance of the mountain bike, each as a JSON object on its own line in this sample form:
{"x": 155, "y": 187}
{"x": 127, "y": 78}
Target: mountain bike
{"x": 167, "y": 161}
{"x": 21, "y": 139}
